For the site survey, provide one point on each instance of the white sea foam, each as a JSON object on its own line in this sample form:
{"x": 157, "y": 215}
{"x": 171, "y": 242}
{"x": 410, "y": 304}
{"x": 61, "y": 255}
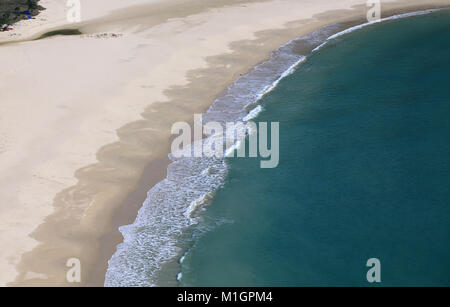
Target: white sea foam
{"x": 153, "y": 239}
{"x": 267, "y": 89}
{"x": 352, "y": 29}
{"x": 253, "y": 113}
{"x": 198, "y": 203}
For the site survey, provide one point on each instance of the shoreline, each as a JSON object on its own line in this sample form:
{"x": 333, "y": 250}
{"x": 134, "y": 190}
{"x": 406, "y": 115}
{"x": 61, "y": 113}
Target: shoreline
{"x": 344, "y": 115}
{"x": 170, "y": 273}
{"x": 95, "y": 228}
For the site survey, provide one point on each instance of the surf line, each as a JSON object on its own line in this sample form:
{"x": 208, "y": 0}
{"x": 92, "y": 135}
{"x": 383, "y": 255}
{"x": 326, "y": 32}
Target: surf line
{"x": 221, "y": 144}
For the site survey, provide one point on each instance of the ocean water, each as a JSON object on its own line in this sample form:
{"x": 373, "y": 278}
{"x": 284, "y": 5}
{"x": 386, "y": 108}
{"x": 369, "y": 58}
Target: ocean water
{"x": 364, "y": 170}
{"x": 363, "y": 173}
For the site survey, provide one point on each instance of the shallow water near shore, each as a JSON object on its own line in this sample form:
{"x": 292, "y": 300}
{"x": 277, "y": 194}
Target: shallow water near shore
{"x": 364, "y": 171}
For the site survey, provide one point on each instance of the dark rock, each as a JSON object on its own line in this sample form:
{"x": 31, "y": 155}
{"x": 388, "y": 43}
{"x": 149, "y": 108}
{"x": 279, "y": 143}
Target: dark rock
{"x": 12, "y": 11}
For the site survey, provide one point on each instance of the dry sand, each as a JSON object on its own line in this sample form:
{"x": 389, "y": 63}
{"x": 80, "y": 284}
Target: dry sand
{"x": 81, "y": 117}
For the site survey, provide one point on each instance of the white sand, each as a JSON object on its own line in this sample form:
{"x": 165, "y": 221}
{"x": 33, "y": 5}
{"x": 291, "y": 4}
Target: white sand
{"x": 63, "y": 98}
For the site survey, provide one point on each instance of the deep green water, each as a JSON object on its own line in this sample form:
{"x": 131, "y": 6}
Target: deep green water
{"x": 364, "y": 170}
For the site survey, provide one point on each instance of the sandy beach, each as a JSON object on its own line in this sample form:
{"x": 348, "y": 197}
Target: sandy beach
{"x": 85, "y": 119}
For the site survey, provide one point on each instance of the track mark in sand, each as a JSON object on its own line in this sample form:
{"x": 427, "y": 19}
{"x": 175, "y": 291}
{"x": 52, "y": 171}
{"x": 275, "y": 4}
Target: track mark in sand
{"x": 102, "y": 35}
{"x": 48, "y": 179}
{"x": 3, "y": 144}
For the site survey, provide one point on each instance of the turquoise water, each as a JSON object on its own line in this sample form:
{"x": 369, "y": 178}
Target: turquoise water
{"x": 363, "y": 173}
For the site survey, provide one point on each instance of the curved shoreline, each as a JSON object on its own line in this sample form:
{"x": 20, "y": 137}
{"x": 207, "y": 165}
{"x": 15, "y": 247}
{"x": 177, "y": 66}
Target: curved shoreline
{"x": 170, "y": 267}
{"x": 350, "y": 118}
{"x": 66, "y": 236}
{"x": 253, "y": 113}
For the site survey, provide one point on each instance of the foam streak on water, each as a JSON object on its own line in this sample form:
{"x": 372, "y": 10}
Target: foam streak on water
{"x": 349, "y": 30}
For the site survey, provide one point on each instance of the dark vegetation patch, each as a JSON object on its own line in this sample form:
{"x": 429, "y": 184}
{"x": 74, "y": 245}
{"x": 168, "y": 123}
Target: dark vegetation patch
{"x": 60, "y": 32}
{"x": 12, "y": 11}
